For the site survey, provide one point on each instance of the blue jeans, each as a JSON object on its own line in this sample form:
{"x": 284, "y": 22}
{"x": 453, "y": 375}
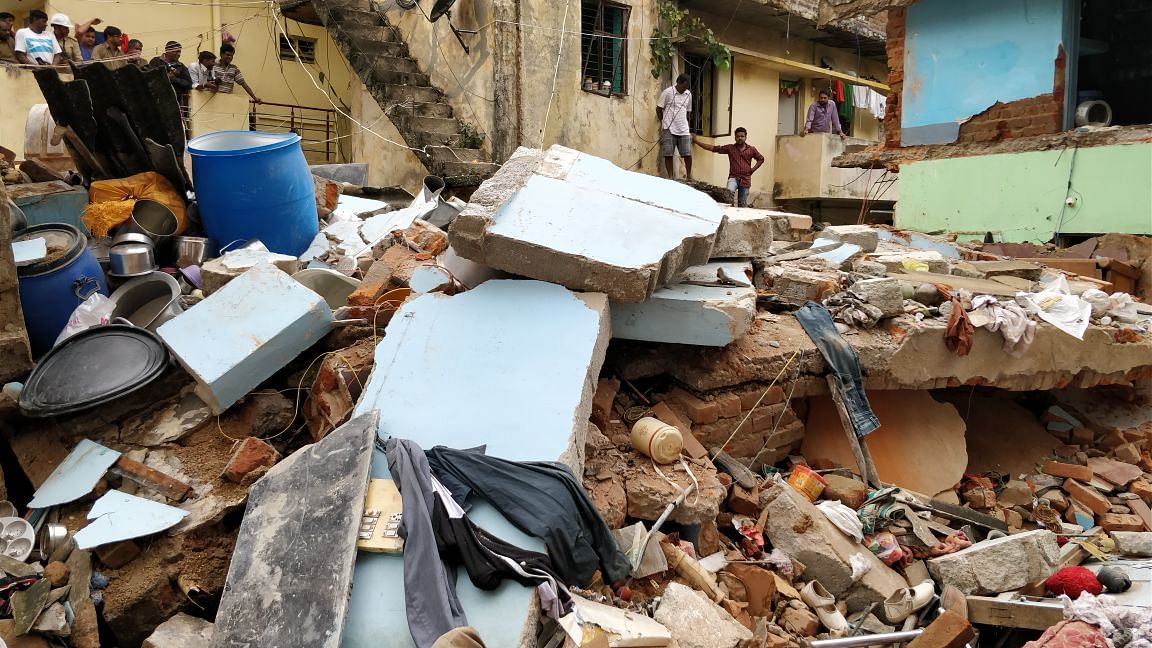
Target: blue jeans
{"x": 843, "y": 362}
{"x": 740, "y": 192}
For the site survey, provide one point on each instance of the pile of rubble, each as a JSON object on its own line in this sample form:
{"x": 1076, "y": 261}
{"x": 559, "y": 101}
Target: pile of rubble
{"x": 708, "y": 373}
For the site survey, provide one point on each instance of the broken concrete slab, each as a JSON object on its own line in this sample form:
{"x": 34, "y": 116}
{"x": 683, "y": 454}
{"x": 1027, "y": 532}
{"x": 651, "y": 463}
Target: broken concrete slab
{"x": 168, "y": 423}
{"x": 1000, "y": 565}
{"x": 579, "y": 221}
{"x": 696, "y": 622}
{"x": 258, "y": 323}
{"x": 618, "y": 627}
{"x": 797, "y": 286}
{"x": 799, "y": 529}
{"x": 896, "y": 262}
{"x": 864, "y": 236}
{"x": 216, "y": 273}
{"x": 686, "y": 313}
{"x": 290, "y": 584}
{"x": 883, "y": 293}
{"x": 746, "y": 232}
{"x": 119, "y": 516}
{"x": 76, "y": 476}
{"x": 546, "y": 344}
{"x": 181, "y": 631}
{"x": 1133, "y": 543}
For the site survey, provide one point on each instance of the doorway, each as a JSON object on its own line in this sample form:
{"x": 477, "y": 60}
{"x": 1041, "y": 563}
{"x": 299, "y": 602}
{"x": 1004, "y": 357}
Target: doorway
{"x": 787, "y": 120}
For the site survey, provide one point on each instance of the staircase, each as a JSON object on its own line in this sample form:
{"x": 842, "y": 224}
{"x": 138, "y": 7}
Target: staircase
{"x": 377, "y": 52}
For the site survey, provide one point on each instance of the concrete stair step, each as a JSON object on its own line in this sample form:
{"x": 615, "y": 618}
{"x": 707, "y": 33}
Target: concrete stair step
{"x": 464, "y": 169}
{"x": 393, "y": 94}
{"x": 432, "y": 124}
{"x": 392, "y": 77}
{"x": 420, "y": 139}
{"x": 356, "y": 16}
{"x": 394, "y": 64}
{"x": 370, "y": 47}
{"x": 381, "y": 33}
{"x": 449, "y": 154}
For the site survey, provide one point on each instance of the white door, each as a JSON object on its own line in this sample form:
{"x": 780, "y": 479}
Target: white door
{"x": 789, "y": 105}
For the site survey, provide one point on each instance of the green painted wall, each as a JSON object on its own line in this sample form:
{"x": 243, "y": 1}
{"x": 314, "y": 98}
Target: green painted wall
{"x": 1021, "y": 196}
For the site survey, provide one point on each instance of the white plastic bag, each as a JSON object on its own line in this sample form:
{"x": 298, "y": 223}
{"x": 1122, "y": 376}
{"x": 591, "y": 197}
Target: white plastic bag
{"x": 844, "y": 517}
{"x": 1057, "y": 306}
{"x": 95, "y": 310}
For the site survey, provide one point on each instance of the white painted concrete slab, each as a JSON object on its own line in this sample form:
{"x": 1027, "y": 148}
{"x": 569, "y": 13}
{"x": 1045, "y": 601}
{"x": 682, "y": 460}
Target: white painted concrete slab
{"x": 691, "y": 314}
{"x": 119, "y": 516}
{"x": 242, "y": 334}
{"x": 579, "y": 221}
{"x": 511, "y": 364}
{"x": 746, "y": 232}
{"x": 76, "y": 476}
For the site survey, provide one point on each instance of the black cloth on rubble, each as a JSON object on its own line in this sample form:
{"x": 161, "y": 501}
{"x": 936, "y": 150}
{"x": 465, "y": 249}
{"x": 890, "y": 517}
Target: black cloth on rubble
{"x": 544, "y": 500}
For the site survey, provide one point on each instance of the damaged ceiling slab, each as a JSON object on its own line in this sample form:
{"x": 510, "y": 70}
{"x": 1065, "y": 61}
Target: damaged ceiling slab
{"x": 579, "y": 221}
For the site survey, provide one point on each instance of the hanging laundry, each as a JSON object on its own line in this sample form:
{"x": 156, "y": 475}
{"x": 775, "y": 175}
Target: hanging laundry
{"x": 846, "y": 108}
{"x": 544, "y": 500}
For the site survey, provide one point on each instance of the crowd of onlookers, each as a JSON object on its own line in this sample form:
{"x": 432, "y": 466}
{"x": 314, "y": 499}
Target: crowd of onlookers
{"x": 44, "y": 42}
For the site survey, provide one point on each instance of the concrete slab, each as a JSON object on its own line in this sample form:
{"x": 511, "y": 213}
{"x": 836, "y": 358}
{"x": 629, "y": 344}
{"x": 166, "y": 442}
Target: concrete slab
{"x": 746, "y": 232}
{"x": 691, "y": 314}
{"x": 216, "y": 273}
{"x": 238, "y": 337}
{"x": 579, "y": 221}
{"x": 521, "y": 358}
{"x": 119, "y": 516}
{"x": 291, "y": 574}
{"x": 999, "y": 565}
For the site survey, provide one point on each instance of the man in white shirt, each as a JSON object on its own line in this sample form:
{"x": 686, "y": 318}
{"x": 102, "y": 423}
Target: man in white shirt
{"x": 35, "y": 44}
{"x": 201, "y": 71}
{"x": 672, "y": 110}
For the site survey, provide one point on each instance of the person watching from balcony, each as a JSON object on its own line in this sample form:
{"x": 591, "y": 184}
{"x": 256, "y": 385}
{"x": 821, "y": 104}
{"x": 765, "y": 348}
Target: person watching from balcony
{"x": 201, "y": 72}
{"x": 109, "y": 52}
{"x": 822, "y": 116}
{"x": 740, "y": 166}
{"x": 35, "y": 45}
{"x": 178, "y": 73}
{"x": 7, "y": 39}
{"x": 86, "y": 36}
{"x": 135, "y": 53}
{"x": 228, "y": 75}
{"x": 69, "y": 47}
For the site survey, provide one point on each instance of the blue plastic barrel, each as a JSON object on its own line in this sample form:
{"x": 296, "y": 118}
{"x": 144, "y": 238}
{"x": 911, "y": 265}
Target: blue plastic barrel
{"x": 255, "y": 185}
{"x": 52, "y": 287}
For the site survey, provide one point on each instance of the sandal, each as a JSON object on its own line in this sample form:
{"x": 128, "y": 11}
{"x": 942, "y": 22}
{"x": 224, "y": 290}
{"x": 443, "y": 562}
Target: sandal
{"x": 824, "y": 604}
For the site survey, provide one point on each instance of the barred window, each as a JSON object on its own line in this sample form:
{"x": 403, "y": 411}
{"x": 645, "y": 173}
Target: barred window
{"x": 306, "y": 47}
{"x": 604, "y": 45}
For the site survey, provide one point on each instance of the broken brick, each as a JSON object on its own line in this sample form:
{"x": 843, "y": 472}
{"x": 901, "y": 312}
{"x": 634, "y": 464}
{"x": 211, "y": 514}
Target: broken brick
{"x": 1127, "y": 453}
{"x": 606, "y": 390}
{"x": 375, "y": 283}
{"x": 1070, "y": 471}
{"x": 744, "y": 501}
{"x": 250, "y": 461}
{"x": 800, "y": 622}
{"x": 850, "y": 492}
{"x": 700, "y": 411}
{"x": 117, "y": 554}
{"x": 729, "y": 405}
{"x": 750, "y": 398}
{"x": 1120, "y": 522}
{"x": 949, "y": 630}
{"x": 1141, "y": 488}
{"x": 1087, "y": 496}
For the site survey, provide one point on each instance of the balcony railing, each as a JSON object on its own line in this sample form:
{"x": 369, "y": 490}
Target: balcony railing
{"x": 317, "y": 127}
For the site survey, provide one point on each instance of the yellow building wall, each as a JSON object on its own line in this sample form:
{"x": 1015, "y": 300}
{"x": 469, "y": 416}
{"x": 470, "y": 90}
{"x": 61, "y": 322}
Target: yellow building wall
{"x": 390, "y": 162}
{"x": 756, "y": 107}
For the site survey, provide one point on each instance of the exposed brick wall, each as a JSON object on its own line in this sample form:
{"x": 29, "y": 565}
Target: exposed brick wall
{"x": 896, "y": 17}
{"x": 1041, "y": 115}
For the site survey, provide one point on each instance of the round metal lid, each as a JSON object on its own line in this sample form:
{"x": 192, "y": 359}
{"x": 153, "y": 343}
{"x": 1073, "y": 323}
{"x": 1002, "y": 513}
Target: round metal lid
{"x": 93, "y": 367}
{"x": 63, "y": 242}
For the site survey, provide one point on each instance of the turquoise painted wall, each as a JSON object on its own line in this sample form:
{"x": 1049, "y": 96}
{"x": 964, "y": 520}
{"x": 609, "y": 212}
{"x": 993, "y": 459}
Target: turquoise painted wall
{"x": 1021, "y": 196}
{"x": 962, "y": 57}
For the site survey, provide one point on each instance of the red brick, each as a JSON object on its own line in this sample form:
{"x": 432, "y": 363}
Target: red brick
{"x": 374, "y": 284}
{"x": 743, "y": 501}
{"x": 700, "y": 411}
{"x": 117, "y": 554}
{"x": 949, "y": 630}
{"x": 1067, "y": 470}
{"x": 250, "y": 461}
{"x": 606, "y": 390}
{"x": 1141, "y": 488}
{"x": 729, "y": 405}
{"x": 1087, "y": 496}
{"x": 1120, "y": 522}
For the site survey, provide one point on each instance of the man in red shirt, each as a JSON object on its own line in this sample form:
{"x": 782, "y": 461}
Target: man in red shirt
{"x": 740, "y": 167}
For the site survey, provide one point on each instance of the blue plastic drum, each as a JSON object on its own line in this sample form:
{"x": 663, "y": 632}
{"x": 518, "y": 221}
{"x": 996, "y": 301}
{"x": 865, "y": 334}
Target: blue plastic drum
{"x": 255, "y": 185}
{"x": 52, "y": 287}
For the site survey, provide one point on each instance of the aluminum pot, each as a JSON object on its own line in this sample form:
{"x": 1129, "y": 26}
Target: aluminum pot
{"x": 154, "y": 219}
{"x": 148, "y": 301}
{"x": 131, "y": 260}
{"x": 191, "y": 250}
{"x": 132, "y": 237}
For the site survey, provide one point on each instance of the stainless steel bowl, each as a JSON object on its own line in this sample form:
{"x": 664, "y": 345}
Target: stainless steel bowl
{"x": 131, "y": 260}
{"x": 191, "y": 250}
{"x": 132, "y": 237}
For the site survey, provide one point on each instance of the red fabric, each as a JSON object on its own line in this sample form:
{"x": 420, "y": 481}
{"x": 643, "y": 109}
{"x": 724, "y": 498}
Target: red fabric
{"x": 838, "y": 90}
{"x": 1070, "y": 634}
{"x": 1074, "y": 581}
{"x": 958, "y": 334}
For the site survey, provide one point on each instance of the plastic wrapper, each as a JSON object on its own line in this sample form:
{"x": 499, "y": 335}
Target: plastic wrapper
{"x": 95, "y": 311}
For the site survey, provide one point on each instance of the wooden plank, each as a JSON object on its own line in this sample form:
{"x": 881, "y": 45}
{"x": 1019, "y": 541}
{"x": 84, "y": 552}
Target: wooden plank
{"x": 1084, "y": 267}
{"x": 1030, "y": 615}
{"x": 169, "y": 487}
{"x": 380, "y": 505}
{"x": 859, "y": 449}
{"x": 1141, "y": 509}
{"x": 976, "y": 286}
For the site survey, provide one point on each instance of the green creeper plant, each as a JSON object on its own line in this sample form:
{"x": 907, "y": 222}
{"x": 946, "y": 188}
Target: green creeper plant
{"x": 676, "y": 25}
{"x": 470, "y": 135}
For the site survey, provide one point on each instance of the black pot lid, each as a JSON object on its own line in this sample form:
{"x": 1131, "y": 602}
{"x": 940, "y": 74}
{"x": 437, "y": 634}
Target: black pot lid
{"x": 93, "y": 367}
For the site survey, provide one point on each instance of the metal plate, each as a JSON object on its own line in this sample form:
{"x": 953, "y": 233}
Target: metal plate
{"x": 93, "y": 367}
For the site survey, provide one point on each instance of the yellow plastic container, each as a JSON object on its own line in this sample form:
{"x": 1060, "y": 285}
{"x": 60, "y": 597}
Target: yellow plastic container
{"x": 807, "y": 481}
{"x": 657, "y": 439}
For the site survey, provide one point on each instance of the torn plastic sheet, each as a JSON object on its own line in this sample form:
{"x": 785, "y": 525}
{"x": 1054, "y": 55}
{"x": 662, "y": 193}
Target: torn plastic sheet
{"x": 76, "y": 476}
{"x": 119, "y": 516}
{"x": 1057, "y": 306}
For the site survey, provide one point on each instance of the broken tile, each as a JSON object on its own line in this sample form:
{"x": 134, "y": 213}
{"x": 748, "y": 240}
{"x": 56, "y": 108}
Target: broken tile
{"x": 291, "y": 577}
{"x": 259, "y": 322}
{"x": 685, "y": 313}
{"x": 181, "y": 631}
{"x": 578, "y": 220}
{"x": 619, "y": 627}
{"x": 119, "y": 516}
{"x": 27, "y": 605}
{"x": 76, "y": 476}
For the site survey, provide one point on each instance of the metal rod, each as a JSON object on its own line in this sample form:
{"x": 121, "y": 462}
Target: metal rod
{"x": 866, "y": 640}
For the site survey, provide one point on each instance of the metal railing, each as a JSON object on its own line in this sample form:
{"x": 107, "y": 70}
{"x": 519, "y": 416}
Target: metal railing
{"x": 317, "y": 127}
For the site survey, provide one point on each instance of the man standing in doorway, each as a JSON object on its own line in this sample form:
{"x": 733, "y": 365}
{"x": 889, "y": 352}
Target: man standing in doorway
{"x": 672, "y": 110}
{"x": 35, "y": 45}
{"x": 822, "y": 116}
{"x": 740, "y": 167}
{"x": 227, "y": 75}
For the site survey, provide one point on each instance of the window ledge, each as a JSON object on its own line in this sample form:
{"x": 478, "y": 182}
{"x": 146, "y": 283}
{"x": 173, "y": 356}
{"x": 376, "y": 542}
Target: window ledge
{"x": 606, "y": 95}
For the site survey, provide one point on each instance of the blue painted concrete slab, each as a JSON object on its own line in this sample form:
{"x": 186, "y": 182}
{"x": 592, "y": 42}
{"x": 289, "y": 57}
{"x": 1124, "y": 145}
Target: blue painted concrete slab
{"x": 510, "y": 364}
{"x": 76, "y": 476}
{"x": 245, "y": 332}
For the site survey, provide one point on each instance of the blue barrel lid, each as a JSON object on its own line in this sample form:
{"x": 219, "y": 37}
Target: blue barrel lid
{"x": 64, "y": 243}
{"x": 239, "y": 142}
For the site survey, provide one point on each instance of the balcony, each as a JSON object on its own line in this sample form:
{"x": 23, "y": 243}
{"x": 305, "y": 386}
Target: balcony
{"x": 804, "y": 171}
